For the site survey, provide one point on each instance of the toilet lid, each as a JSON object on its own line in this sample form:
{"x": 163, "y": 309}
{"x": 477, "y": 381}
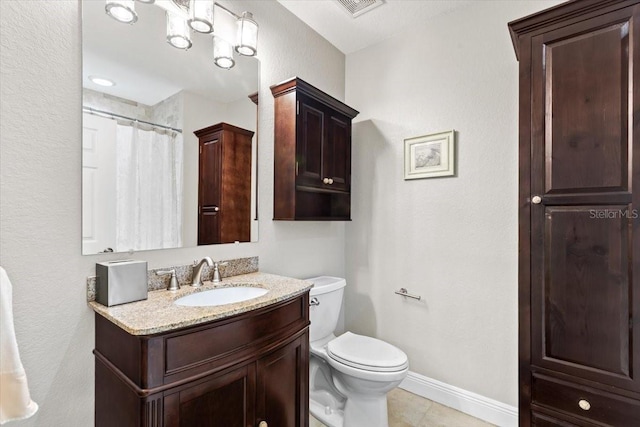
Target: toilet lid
{"x": 366, "y": 353}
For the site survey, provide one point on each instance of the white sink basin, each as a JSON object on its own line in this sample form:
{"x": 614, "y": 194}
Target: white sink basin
{"x": 221, "y": 296}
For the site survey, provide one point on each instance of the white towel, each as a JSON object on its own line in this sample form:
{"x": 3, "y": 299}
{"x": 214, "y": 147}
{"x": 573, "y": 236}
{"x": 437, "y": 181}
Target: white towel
{"x": 15, "y": 400}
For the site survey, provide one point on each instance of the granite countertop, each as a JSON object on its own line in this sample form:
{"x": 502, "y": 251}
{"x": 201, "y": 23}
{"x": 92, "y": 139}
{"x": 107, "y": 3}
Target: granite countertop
{"x": 158, "y": 313}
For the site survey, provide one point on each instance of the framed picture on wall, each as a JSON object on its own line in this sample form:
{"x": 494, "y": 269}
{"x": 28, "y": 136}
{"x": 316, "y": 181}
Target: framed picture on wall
{"x": 430, "y": 156}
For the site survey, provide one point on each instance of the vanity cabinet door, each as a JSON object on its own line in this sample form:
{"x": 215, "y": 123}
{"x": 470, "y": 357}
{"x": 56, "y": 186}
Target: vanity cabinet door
{"x": 218, "y": 401}
{"x": 283, "y": 387}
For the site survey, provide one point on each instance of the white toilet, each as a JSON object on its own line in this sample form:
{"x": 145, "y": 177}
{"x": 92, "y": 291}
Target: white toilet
{"x": 350, "y": 375}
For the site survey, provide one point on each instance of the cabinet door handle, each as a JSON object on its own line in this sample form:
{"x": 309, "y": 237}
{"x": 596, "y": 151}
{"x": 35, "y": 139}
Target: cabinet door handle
{"x": 330, "y": 181}
{"x": 263, "y": 424}
{"x": 325, "y": 180}
{"x": 536, "y": 200}
{"x": 584, "y": 404}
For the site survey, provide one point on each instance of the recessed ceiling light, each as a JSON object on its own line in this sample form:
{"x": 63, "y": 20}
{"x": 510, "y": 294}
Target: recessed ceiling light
{"x": 102, "y": 81}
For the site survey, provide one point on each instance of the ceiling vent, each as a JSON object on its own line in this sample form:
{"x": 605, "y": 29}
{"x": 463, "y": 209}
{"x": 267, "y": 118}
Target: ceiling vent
{"x": 356, "y": 8}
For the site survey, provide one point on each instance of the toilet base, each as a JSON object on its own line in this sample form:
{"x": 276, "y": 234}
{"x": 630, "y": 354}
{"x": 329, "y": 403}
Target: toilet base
{"x": 358, "y": 412}
{"x": 363, "y": 412}
{"x": 338, "y": 400}
{"x": 326, "y": 415}
{"x": 326, "y": 403}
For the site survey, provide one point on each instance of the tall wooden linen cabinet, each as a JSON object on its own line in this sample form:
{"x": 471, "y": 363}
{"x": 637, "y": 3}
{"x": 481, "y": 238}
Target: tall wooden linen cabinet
{"x": 224, "y": 184}
{"x": 579, "y": 241}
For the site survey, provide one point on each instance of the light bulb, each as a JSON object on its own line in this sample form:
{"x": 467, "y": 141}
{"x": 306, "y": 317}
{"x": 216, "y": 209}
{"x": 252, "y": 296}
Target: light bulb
{"x": 223, "y": 53}
{"x": 201, "y": 15}
{"x": 247, "y": 35}
{"x": 122, "y": 10}
{"x": 178, "y": 32}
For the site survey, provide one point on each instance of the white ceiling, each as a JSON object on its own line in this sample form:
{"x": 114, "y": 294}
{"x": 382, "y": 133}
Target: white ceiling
{"x": 329, "y": 19}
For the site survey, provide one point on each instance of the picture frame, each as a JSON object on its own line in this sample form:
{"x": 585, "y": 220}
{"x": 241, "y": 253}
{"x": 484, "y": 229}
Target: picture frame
{"x": 430, "y": 156}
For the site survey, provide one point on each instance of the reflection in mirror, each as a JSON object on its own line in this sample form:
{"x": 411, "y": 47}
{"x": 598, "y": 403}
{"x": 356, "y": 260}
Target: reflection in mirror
{"x": 140, "y": 170}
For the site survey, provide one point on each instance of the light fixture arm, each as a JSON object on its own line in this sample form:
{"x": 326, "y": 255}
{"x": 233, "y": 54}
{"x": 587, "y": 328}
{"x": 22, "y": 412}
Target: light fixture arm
{"x": 227, "y": 10}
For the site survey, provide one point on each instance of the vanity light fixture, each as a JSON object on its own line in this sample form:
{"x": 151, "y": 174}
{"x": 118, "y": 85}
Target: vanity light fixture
{"x": 236, "y": 32}
{"x": 102, "y": 81}
{"x": 247, "y": 35}
{"x": 201, "y": 16}
{"x": 122, "y": 10}
{"x": 223, "y": 53}
{"x": 178, "y": 32}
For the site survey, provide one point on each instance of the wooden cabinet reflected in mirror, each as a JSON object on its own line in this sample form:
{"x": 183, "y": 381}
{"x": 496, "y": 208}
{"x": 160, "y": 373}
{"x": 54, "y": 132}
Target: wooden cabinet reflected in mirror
{"x": 140, "y": 154}
{"x": 224, "y": 184}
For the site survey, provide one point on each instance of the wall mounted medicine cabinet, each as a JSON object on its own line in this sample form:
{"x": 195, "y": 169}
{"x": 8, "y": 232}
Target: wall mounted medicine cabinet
{"x": 312, "y": 166}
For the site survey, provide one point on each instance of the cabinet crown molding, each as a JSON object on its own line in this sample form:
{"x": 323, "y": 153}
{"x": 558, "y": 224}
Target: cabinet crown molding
{"x": 297, "y": 84}
{"x": 561, "y": 15}
{"x": 222, "y": 126}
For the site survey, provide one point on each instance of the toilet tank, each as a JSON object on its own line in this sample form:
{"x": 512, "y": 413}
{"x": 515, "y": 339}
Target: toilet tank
{"x": 328, "y": 292}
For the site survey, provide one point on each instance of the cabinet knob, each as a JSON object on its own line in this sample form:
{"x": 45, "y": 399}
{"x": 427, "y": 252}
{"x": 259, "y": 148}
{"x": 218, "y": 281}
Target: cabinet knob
{"x": 584, "y": 404}
{"x": 330, "y": 181}
{"x": 263, "y": 424}
{"x": 536, "y": 200}
{"x": 325, "y": 180}
{"x": 216, "y": 209}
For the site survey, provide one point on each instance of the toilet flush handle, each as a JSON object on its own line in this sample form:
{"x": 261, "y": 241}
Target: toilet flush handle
{"x": 314, "y": 301}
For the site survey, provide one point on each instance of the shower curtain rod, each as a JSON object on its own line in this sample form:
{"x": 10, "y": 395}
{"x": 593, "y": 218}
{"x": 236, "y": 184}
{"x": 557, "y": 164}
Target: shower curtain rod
{"x": 118, "y": 116}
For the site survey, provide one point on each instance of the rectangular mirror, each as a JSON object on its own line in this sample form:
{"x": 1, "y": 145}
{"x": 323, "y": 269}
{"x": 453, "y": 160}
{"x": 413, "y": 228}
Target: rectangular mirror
{"x": 143, "y": 166}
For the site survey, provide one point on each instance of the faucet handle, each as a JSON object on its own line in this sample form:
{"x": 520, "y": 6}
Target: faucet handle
{"x": 173, "y": 283}
{"x": 216, "y": 272}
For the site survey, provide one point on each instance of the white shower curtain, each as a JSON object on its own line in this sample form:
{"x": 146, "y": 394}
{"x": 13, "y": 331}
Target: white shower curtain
{"x": 148, "y": 188}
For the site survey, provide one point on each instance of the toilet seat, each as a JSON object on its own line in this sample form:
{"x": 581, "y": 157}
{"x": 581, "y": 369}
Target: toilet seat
{"x": 366, "y": 353}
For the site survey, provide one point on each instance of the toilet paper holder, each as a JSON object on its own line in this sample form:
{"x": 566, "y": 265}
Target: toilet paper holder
{"x": 405, "y": 293}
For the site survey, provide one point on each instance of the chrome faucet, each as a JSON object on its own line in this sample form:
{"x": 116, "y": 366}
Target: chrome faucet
{"x": 197, "y": 271}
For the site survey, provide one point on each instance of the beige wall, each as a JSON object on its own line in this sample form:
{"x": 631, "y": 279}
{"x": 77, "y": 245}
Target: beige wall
{"x": 40, "y": 98}
{"x": 451, "y": 240}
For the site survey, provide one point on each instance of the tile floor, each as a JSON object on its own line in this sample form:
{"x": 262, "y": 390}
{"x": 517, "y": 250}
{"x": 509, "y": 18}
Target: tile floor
{"x": 409, "y": 410}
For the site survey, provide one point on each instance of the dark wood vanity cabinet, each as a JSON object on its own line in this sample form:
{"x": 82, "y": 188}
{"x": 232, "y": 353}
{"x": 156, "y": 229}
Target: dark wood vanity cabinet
{"x": 579, "y": 241}
{"x": 238, "y": 371}
{"x": 224, "y": 184}
{"x": 312, "y": 166}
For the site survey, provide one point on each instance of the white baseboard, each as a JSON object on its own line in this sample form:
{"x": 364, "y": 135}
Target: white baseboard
{"x": 465, "y": 401}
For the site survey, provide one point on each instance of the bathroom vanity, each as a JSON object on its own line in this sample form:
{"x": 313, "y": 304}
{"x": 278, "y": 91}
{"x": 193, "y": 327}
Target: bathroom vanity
{"x": 243, "y": 364}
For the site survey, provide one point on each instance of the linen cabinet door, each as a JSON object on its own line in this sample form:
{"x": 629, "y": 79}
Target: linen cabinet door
{"x": 209, "y": 185}
{"x": 221, "y": 401}
{"x": 585, "y": 165}
{"x": 283, "y": 386}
